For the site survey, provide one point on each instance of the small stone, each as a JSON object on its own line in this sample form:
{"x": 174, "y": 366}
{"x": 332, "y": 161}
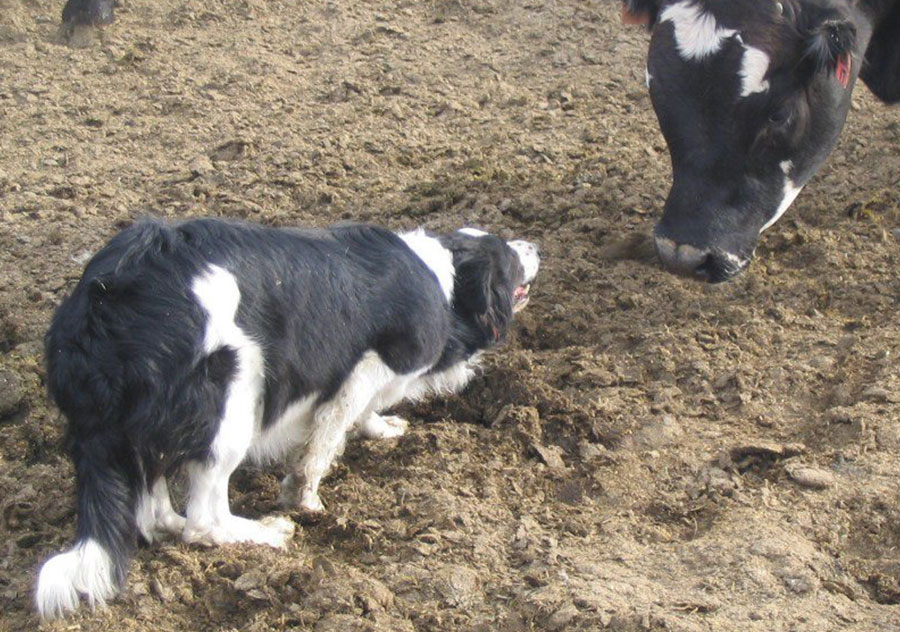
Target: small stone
{"x": 249, "y": 580}
{"x": 551, "y": 456}
{"x": 800, "y": 585}
{"x": 811, "y": 477}
{"x": 877, "y": 394}
{"x": 457, "y": 585}
{"x": 12, "y": 394}
{"x": 163, "y": 593}
{"x": 374, "y": 595}
{"x": 561, "y": 619}
{"x": 767, "y": 449}
{"x": 200, "y": 166}
{"x": 821, "y": 363}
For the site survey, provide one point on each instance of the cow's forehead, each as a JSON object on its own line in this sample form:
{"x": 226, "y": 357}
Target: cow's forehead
{"x": 697, "y": 31}
{"x": 702, "y": 29}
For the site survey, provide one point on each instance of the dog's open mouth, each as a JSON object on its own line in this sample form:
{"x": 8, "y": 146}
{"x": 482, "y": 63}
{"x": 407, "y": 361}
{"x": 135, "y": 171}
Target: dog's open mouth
{"x": 520, "y": 297}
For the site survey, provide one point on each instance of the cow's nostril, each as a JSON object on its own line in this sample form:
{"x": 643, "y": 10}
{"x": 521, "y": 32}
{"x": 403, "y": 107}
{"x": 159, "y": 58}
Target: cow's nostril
{"x": 717, "y": 267}
{"x": 707, "y": 268}
{"x": 703, "y": 270}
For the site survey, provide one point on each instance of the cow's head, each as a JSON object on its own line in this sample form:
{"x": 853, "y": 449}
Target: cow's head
{"x": 751, "y": 96}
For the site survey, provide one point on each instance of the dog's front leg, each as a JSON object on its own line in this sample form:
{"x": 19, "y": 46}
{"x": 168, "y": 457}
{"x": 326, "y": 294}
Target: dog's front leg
{"x": 355, "y": 400}
{"x": 375, "y": 426}
{"x": 155, "y": 516}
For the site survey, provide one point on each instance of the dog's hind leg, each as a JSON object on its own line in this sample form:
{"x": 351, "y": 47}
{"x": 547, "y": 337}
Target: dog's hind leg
{"x": 209, "y": 517}
{"x": 355, "y": 400}
{"x": 240, "y": 359}
{"x": 155, "y": 516}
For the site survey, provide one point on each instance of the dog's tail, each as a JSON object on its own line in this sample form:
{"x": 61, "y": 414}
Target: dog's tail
{"x": 105, "y": 535}
{"x": 108, "y": 477}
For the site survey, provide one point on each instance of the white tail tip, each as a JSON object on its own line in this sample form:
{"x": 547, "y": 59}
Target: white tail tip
{"x": 84, "y": 570}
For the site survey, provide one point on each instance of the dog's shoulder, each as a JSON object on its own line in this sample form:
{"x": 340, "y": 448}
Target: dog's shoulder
{"x": 366, "y": 238}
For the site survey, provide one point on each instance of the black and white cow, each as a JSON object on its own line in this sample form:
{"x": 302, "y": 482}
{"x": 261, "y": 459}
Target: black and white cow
{"x": 751, "y": 96}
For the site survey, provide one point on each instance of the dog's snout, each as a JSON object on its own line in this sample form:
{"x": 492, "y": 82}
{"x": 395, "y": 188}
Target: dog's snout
{"x": 529, "y": 256}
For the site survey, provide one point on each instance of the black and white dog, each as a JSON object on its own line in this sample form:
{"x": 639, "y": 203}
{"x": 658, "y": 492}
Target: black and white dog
{"x": 192, "y": 345}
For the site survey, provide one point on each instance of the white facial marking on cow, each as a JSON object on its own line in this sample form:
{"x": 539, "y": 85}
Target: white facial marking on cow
{"x": 754, "y": 66}
{"x": 734, "y": 261}
{"x": 697, "y": 35}
{"x": 786, "y": 166}
{"x": 791, "y": 191}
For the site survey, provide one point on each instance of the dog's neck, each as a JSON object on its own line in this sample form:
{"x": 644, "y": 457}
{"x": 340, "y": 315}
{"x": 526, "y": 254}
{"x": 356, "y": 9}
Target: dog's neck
{"x": 438, "y": 259}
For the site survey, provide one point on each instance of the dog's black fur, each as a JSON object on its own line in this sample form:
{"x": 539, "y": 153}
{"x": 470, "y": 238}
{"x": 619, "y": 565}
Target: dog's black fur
{"x": 125, "y": 353}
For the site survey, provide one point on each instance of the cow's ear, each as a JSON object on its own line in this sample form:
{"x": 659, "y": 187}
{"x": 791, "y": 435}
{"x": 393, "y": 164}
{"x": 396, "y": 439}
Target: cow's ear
{"x": 830, "y": 42}
{"x": 642, "y": 12}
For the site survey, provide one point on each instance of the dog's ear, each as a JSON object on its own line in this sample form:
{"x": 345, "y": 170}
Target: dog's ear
{"x": 642, "y": 12}
{"x": 481, "y": 294}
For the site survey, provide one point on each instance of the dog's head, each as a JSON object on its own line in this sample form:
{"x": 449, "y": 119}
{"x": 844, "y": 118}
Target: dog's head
{"x": 492, "y": 280}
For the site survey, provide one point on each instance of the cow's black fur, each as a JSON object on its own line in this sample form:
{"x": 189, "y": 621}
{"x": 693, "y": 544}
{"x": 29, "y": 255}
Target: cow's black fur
{"x": 881, "y": 70}
{"x": 89, "y": 12}
{"x": 735, "y": 156}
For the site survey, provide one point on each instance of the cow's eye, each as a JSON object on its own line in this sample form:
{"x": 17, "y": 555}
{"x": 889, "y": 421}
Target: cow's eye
{"x": 781, "y": 115}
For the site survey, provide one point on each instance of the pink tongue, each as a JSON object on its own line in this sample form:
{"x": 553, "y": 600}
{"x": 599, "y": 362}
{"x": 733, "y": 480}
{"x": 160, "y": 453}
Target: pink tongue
{"x": 520, "y": 293}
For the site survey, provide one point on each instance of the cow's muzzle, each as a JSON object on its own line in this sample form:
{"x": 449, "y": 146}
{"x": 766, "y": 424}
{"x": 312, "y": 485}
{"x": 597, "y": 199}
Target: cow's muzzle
{"x": 703, "y": 264}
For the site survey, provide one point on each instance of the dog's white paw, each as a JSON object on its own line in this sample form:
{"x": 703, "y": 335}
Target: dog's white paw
{"x": 274, "y": 531}
{"x": 280, "y": 524}
{"x": 310, "y": 501}
{"x": 394, "y": 427}
{"x": 170, "y": 524}
{"x": 379, "y": 427}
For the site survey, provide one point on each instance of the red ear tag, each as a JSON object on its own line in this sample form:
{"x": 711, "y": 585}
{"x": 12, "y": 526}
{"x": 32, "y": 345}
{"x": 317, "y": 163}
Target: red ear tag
{"x": 842, "y": 72}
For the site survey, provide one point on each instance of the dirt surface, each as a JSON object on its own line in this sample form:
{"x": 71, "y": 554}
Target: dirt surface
{"x": 645, "y": 453}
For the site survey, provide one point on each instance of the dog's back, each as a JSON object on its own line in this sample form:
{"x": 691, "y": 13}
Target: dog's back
{"x": 130, "y": 365}
{"x": 201, "y": 342}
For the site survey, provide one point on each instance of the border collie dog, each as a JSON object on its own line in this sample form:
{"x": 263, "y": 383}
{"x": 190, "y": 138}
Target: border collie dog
{"x": 190, "y": 346}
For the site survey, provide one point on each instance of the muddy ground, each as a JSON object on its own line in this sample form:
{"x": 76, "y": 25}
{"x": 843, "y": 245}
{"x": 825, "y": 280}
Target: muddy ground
{"x": 645, "y": 453}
